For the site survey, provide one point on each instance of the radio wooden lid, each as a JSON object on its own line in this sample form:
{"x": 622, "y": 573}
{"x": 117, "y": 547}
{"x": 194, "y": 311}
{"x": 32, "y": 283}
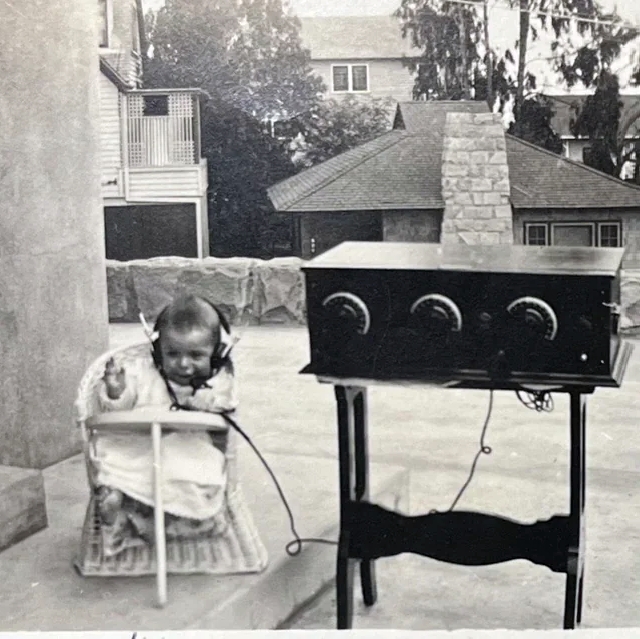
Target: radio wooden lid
{"x": 488, "y": 258}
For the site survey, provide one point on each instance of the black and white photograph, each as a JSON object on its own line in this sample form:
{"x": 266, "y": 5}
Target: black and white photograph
{"x": 291, "y": 291}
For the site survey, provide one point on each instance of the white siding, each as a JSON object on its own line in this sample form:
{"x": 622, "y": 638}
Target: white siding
{"x": 387, "y": 78}
{"x": 170, "y": 182}
{"x": 575, "y": 148}
{"x": 110, "y": 138}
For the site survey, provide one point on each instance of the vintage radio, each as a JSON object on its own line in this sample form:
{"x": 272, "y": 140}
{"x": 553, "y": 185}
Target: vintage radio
{"x": 486, "y": 313}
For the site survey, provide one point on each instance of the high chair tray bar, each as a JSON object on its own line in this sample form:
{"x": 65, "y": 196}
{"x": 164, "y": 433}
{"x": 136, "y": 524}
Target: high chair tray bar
{"x": 142, "y": 419}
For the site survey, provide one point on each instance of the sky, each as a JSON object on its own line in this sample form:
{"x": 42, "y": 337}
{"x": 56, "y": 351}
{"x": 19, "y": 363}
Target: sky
{"x": 503, "y": 30}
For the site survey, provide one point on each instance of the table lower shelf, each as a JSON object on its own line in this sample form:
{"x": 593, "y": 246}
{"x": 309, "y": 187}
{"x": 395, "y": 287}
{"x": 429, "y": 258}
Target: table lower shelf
{"x": 458, "y": 537}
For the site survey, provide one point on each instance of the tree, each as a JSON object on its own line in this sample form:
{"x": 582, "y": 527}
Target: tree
{"x": 456, "y": 53}
{"x": 448, "y": 35}
{"x": 247, "y": 53}
{"x": 247, "y": 57}
{"x": 457, "y": 62}
{"x": 335, "y": 126}
{"x": 598, "y": 120}
{"x": 242, "y": 163}
{"x": 534, "y": 124}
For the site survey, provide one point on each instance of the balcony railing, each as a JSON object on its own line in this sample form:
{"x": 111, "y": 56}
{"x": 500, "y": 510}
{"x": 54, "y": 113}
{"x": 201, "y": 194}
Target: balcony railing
{"x": 162, "y": 129}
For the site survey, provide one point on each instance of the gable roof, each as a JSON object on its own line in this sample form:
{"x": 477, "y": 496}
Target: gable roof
{"x": 564, "y": 111}
{"x": 355, "y": 38}
{"x": 402, "y": 169}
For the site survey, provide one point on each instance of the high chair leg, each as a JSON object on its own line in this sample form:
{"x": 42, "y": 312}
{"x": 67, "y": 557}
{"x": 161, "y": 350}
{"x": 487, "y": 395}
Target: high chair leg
{"x": 161, "y": 546}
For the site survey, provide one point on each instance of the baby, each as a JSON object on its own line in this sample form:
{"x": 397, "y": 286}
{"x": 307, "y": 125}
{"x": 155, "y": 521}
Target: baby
{"x": 190, "y": 367}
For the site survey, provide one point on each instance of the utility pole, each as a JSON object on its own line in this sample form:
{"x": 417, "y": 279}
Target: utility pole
{"x": 489, "y": 55}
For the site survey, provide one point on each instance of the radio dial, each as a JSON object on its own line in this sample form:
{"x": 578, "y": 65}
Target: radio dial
{"x": 536, "y": 315}
{"x": 347, "y": 311}
{"x": 437, "y": 310}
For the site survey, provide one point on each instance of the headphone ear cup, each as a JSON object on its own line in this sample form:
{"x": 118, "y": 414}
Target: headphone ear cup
{"x": 216, "y": 360}
{"x": 156, "y": 354}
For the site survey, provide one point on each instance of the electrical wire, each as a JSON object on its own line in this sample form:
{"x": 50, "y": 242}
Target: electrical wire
{"x": 483, "y": 450}
{"x": 297, "y": 540}
{"x": 540, "y": 401}
{"x": 559, "y": 16}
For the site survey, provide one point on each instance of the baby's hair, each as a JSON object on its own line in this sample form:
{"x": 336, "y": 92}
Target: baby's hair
{"x": 188, "y": 312}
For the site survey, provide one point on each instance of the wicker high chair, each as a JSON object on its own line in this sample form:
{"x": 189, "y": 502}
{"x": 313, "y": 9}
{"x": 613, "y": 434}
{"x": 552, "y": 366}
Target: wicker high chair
{"x": 238, "y": 550}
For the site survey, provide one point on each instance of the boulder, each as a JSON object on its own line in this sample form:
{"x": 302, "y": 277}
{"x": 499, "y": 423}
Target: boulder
{"x": 279, "y": 292}
{"x": 123, "y": 305}
{"x": 228, "y": 283}
{"x": 155, "y": 281}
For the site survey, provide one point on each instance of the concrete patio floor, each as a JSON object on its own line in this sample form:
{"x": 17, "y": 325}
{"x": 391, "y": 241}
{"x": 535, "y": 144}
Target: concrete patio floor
{"x": 431, "y": 435}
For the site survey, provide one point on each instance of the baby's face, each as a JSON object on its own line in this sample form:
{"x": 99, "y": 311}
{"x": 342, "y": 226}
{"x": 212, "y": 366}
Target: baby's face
{"x": 186, "y": 354}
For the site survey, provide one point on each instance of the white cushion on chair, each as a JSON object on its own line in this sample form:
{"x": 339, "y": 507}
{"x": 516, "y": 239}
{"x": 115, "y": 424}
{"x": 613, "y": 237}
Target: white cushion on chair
{"x": 193, "y": 470}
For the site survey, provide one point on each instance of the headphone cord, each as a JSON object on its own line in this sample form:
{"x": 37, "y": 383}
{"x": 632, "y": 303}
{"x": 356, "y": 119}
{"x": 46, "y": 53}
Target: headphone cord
{"x": 483, "y": 450}
{"x": 297, "y": 541}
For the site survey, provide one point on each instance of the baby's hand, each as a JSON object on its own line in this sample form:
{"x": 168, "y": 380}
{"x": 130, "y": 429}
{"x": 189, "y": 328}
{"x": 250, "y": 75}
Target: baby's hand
{"x": 114, "y": 380}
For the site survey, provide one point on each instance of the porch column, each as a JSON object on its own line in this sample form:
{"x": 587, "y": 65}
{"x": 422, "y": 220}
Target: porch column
{"x": 53, "y": 302}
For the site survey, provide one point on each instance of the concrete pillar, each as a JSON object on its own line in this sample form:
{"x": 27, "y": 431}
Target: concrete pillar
{"x": 475, "y": 181}
{"x": 53, "y": 302}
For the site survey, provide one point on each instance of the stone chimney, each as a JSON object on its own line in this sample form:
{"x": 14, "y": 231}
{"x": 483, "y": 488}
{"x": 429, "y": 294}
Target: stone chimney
{"x": 475, "y": 181}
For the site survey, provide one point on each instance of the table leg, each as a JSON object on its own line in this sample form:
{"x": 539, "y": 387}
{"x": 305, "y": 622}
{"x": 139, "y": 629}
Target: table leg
{"x": 345, "y": 564}
{"x": 575, "y": 560}
{"x": 367, "y": 566}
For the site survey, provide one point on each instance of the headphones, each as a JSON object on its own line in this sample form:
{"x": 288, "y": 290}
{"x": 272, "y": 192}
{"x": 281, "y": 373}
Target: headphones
{"x": 220, "y": 356}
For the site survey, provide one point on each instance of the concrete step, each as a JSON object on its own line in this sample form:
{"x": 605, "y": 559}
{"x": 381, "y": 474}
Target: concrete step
{"x": 22, "y": 504}
{"x": 40, "y": 590}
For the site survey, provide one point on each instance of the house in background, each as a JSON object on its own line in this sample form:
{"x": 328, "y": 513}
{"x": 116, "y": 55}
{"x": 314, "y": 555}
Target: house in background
{"x": 576, "y": 148}
{"x": 154, "y": 179}
{"x": 390, "y": 189}
{"x": 360, "y": 55}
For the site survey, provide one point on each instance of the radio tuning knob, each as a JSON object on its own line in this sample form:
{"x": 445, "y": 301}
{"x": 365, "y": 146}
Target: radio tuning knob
{"x": 438, "y": 312}
{"x": 536, "y": 315}
{"x": 534, "y": 320}
{"x": 347, "y": 313}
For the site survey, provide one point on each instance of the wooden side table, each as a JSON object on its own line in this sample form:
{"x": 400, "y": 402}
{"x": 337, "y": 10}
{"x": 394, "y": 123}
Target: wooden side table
{"x": 369, "y": 532}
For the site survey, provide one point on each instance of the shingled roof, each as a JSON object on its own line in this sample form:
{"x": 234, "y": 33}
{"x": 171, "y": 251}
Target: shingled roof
{"x": 541, "y": 179}
{"x": 355, "y": 38}
{"x": 420, "y": 117}
{"x": 402, "y": 170}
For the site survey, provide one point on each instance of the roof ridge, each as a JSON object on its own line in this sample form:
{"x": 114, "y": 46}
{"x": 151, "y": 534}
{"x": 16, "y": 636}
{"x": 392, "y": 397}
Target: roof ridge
{"x": 579, "y": 165}
{"x": 399, "y": 135}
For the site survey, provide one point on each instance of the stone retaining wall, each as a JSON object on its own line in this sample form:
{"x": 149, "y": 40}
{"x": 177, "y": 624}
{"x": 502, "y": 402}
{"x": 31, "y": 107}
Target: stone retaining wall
{"x": 250, "y": 292}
